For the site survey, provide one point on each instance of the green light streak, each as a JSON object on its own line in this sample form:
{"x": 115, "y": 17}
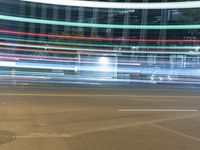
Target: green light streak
{"x": 102, "y": 45}
{"x": 68, "y": 43}
{"x": 91, "y": 25}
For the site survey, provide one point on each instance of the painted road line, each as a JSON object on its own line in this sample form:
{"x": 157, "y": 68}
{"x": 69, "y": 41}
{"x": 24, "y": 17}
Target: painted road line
{"x": 158, "y": 110}
{"x": 45, "y": 135}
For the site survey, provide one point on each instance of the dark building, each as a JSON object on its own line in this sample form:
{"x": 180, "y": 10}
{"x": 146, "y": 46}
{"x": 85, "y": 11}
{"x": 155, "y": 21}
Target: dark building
{"x": 10, "y": 8}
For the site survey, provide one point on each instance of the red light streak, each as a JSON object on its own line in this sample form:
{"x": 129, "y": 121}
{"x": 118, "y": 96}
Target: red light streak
{"x": 95, "y": 38}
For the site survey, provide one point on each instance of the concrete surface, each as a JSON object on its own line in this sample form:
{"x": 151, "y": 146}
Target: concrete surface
{"x": 107, "y": 118}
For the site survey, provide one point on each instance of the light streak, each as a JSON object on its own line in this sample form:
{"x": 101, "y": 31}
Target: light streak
{"x": 120, "y": 5}
{"x": 38, "y": 58}
{"x": 7, "y": 64}
{"x": 96, "y": 39}
{"x": 44, "y": 66}
{"x": 91, "y": 25}
{"x": 55, "y": 59}
{"x": 17, "y": 57}
{"x": 66, "y": 52}
{"x": 57, "y": 52}
{"x": 95, "y": 50}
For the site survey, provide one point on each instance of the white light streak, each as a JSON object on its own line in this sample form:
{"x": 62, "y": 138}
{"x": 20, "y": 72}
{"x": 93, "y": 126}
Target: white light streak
{"x": 7, "y": 64}
{"x": 120, "y": 5}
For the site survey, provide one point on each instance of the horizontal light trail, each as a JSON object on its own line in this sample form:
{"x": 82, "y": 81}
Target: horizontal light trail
{"x": 7, "y": 64}
{"x": 8, "y": 58}
{"x": 91, "y": 25}
{"x": 186, "y": 80}
{"x": 95, "y": 45}
{"x": 75, "y": 60}
{"x": 6, "y": 72}
{"x": 83, "y": 62}
{"x": 83, "y": 53}
{"x": 37, "y": 58}
{"x": 66, "y": 52}
{"x": 59, "y": 52}
{"x": 158, "y": 110}
{"x": 95, "y": 38}
{"x": 38, "y": 66}
{"x": 10, "y": 77}
{"x": 63, "y": 59}
{"x": 17, "y": 57}
{"x": 96, "y": 50}
{"x": 65, "y": 43}
{"x": 71, "y": 53}
{"x": 120, "y": 5}
{"x": 101, "y": 45}
{"x": 59, "y": 48}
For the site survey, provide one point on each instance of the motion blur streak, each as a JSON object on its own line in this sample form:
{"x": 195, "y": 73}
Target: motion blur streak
{"x": 118, "y": 5}
{"x": 97, "y": 39}
{"x": 99, "y": 50}
{"x": 57, "y": 52}
{"x": 99, "y": 44}
{"x": 92, "y": 25}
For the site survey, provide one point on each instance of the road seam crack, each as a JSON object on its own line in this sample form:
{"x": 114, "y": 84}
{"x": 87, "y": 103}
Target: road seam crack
{"x": 176, "y": 132}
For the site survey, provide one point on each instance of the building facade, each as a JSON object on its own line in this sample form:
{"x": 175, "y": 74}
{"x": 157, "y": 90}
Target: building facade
{"x": 139, "y": 43}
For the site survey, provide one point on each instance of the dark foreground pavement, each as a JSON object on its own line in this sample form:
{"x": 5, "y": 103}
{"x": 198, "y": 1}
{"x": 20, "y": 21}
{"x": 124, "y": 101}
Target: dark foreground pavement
{"x": 77, "y": 118}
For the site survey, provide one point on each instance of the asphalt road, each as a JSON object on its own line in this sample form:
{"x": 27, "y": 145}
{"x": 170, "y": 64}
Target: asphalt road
{"x": 105, "y": 118}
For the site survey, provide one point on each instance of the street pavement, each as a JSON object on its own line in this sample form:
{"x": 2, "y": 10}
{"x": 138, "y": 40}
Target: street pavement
{"x": 99, "y": 118}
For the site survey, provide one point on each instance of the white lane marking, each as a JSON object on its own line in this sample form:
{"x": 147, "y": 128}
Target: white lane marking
{"x": 158, "y": 110}
{"x": 42, "y": 124}
{"x": 45, "y": 135}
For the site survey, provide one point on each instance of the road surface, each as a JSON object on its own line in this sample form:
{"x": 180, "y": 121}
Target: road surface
{"x": 92, "y": 118}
